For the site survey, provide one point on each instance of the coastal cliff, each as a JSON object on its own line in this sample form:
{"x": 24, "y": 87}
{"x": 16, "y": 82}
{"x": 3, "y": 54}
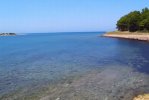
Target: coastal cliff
{"x": 7, "y": 34}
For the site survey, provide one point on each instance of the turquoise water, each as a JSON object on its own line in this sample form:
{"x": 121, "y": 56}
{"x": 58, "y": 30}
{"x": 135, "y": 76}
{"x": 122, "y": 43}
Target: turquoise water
{"x": 32, "y": 59}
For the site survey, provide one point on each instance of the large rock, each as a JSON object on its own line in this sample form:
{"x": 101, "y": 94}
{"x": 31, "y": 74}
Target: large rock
{"x": 142, "y": 97}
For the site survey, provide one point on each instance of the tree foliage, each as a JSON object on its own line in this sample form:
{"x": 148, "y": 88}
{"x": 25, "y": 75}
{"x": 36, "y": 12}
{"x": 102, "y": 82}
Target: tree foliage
{"x": 134, "y": 21}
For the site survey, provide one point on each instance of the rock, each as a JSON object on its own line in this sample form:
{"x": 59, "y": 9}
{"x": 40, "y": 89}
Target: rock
{"x": 7, "y": 34}
{"x": 57, "y": 99}
{"x": 142, "y": 97}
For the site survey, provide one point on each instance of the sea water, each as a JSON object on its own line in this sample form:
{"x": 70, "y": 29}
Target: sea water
{"x": 45, "y": 58}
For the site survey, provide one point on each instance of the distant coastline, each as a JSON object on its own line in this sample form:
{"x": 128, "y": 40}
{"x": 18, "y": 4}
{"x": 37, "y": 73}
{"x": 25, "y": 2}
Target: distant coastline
{"x": 7, "y": 34}
{"x": 128, "y": 35}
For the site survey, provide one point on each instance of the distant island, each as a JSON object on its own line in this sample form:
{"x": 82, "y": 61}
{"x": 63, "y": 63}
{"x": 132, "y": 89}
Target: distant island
{"x": 134, "y": 25}
{"x": 7, "y": 34}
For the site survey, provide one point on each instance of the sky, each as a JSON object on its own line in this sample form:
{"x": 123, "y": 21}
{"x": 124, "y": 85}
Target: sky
{"x": 33, "y": 16}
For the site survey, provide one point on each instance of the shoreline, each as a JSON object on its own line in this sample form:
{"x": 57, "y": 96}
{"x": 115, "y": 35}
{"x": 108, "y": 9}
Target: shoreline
{"x": 128, "y": 35}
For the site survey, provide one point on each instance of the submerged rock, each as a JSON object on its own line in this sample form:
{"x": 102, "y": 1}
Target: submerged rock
{"x": 110, "y": 83}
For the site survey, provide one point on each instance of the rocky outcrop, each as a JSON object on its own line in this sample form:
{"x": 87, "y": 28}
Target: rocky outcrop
{"x": 7, "y": 34}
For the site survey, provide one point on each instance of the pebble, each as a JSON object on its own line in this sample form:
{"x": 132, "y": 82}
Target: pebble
{"x": 57, "y": 99}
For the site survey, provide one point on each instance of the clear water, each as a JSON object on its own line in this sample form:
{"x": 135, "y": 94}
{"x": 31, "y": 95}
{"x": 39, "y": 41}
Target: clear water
{"x": 42, "y": 58}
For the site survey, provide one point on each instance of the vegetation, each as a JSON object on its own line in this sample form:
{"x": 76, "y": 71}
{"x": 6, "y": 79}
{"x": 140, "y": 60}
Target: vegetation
{"x": 134, "y": 21}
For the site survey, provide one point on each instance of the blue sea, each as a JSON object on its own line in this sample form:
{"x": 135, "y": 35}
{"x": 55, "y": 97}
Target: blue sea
{"x": 37, "y": 59}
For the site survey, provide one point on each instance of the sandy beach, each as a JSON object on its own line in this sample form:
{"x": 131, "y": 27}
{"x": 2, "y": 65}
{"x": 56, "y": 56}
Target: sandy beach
{"x": 128, "y": 35}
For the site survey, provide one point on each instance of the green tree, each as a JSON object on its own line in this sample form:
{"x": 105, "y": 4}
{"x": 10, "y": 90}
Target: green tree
{"x": 122, "y": 24}
{"x": 134, "y": 21}
{"x": 144, "y": 23}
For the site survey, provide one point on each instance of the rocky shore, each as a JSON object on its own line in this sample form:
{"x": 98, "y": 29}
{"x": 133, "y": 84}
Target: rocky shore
{"x": 7, "y": 34}
{"x": 128, "y": 35}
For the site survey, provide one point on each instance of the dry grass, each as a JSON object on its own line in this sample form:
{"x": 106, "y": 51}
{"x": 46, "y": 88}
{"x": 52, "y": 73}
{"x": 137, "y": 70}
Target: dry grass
{"x": 127, "y": 33}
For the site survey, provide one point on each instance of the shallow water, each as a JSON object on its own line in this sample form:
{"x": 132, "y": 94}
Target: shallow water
{"x": 35, "y": 60}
